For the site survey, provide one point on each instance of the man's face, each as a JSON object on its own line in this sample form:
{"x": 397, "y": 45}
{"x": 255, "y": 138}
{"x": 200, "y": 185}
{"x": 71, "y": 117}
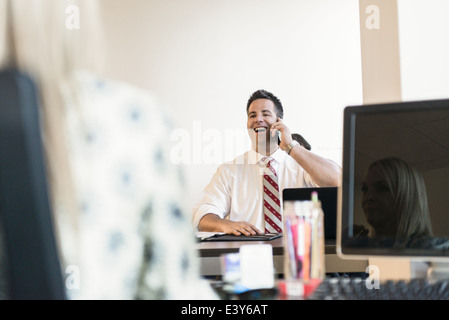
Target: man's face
{"x": 261, "y": 115}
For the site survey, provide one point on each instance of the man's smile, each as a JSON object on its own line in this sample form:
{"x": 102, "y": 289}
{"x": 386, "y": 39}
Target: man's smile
{"x": 260, "y": 129}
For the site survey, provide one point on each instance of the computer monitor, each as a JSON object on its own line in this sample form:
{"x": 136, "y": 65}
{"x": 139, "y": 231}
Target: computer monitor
{"x": 395, "y": 165}
{"x": 30, "y": 266}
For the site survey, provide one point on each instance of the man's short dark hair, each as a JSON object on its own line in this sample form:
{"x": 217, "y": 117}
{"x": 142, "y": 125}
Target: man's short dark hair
{"x": 301, "y": 140}
{"x": 263, "y": 94}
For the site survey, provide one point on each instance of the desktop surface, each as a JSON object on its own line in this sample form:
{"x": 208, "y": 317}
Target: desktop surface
{"x": 210, "y": 252}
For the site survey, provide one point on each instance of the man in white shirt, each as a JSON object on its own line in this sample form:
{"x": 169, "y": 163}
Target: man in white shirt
{"x": 233, "y": 200}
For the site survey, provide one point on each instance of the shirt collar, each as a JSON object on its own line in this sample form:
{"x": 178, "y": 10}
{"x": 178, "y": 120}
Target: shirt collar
{"x": 279, "y": 156}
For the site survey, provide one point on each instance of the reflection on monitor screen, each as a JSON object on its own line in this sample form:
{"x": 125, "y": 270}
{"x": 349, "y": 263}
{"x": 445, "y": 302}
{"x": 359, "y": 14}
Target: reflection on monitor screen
{"x": 394, "y": 199}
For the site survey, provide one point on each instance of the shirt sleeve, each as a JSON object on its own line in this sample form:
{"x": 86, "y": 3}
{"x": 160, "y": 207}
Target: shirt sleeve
{"x": 216, "y": 197}
{"x": 308, "y": 181}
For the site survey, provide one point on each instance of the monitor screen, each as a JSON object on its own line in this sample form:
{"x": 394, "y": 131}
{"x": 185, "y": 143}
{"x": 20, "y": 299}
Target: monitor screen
{"x": 394, "y": 198}
{"x": 30, "y": 266}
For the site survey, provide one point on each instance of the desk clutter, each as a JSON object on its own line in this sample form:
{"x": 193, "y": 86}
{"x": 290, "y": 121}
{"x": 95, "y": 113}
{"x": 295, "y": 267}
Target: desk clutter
{"x": 304, "y": 243}
{"x": 249, "y": 275}
{"x": 251, "y": 270}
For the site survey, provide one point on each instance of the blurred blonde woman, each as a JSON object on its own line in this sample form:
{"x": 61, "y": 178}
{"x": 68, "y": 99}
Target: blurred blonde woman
{"x": 115, "y": 195}
{"x": 395, "y": 202}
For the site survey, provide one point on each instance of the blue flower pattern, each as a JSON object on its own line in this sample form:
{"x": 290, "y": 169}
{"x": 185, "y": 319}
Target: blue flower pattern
{"x": 134, "y": 239}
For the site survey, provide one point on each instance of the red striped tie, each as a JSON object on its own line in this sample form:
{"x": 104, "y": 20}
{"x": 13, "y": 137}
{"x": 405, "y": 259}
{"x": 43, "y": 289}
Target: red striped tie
{"x": 271, "y": 202}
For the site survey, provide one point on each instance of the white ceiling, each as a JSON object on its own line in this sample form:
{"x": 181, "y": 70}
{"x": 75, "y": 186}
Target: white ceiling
{"x": 421, "y": 138}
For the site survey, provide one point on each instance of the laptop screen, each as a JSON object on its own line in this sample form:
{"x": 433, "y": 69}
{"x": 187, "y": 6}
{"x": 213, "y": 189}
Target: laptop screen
{"x": 328, "y": 198}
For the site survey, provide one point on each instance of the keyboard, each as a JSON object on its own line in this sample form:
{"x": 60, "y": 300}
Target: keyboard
{"x": 361, "y": 289}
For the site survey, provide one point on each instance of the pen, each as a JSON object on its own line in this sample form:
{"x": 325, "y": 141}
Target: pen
{"x": 307, "y": 246}
{"x": 291, "y": 248}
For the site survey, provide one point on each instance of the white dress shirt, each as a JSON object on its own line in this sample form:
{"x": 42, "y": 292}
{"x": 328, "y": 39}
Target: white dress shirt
{"x": 235, "y": 191}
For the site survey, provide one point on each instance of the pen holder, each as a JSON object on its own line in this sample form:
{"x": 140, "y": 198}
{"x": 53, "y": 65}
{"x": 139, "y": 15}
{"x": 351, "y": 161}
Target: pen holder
{"x": 303, "y": 243}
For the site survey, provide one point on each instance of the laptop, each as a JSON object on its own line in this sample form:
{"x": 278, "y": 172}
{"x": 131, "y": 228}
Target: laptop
{"x": 232, "y": 237}
{"x": 328, "y": 198}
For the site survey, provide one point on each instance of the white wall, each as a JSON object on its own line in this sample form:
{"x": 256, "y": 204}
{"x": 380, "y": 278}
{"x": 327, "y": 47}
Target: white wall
{"x": 424, "y": 53}
{"x": 202, "y": 59}
{"x": 424, "y": 48}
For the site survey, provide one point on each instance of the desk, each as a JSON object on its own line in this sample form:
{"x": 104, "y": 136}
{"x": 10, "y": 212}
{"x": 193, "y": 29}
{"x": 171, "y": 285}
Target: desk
{"x": 210, "y": 252}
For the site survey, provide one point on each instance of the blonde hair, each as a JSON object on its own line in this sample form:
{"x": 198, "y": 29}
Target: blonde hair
{"x": 409, "y": 191}
{"x": 35, "y": 38}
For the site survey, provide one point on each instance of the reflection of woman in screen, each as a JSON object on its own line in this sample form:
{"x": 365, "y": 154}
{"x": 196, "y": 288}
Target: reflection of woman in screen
{"x": 395, "y": 202}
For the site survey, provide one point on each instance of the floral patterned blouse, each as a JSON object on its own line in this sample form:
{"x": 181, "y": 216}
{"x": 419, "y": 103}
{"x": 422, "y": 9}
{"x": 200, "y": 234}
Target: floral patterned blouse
{"x": 135, "y": 239}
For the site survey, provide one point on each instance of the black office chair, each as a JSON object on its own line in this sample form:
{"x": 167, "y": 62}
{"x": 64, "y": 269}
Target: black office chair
{"x": 33, "y": 267}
